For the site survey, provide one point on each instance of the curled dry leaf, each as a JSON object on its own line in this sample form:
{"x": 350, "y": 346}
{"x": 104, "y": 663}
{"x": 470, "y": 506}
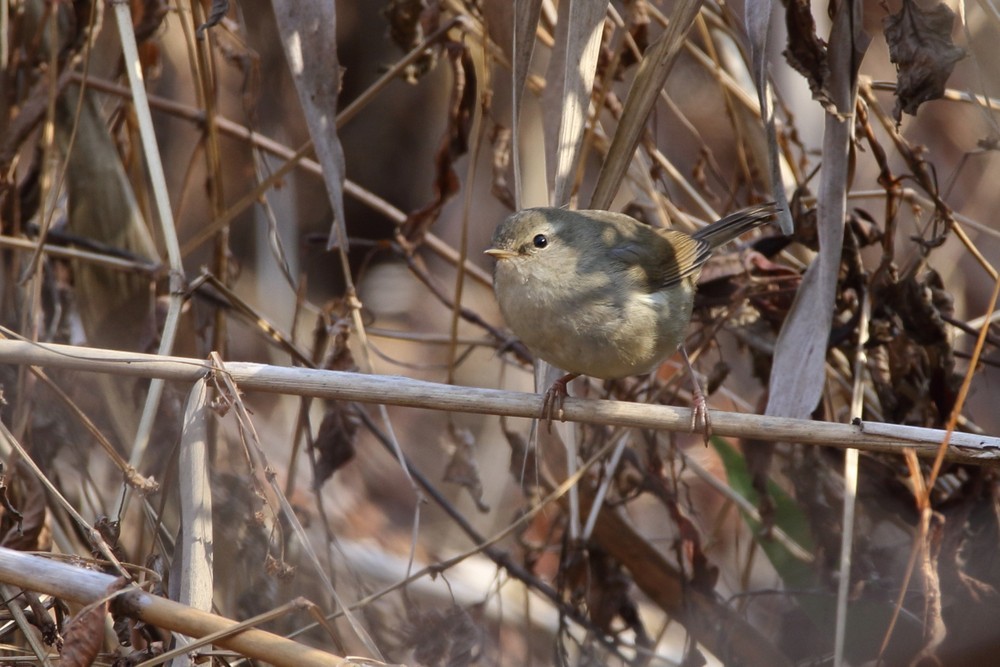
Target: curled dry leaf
{"x": 806, "y": 52}
{"x": 911, "y": 359}
{"x": 500, "y": 140}
{"x": 920, "y": 46}
{"x": 84, "y": 636}
{"x": 462, "y": 467}
{"x": 23, "y": 518}
{"x": 410, "y": 21}
{"x": 601, "y": 581}
{"x": 335, "y": 440}
{"x": 454, "y": 144}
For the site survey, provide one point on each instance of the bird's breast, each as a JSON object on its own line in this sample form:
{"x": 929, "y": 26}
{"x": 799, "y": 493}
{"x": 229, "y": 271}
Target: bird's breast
{"x": 592, "y": 325}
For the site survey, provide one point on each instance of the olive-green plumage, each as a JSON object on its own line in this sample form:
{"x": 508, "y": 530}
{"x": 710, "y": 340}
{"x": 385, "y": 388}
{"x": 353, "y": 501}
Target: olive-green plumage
{"x": 601, "y": 294}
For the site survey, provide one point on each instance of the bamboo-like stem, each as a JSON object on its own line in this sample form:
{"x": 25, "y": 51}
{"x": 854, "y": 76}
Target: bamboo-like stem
{"x": 76, "y": 584}
{"x": 402, "y": 391}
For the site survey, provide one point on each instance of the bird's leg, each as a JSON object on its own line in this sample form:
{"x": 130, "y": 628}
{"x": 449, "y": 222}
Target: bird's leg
{"x": 553, "y": 403}
{"x": 699, "y": 406}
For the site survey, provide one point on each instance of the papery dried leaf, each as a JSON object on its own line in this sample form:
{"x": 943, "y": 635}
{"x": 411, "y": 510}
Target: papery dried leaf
{"x": 568, "y": 90}
{"x": 23, "y": 518}
{"x": 309, "y": 36}
{"x": 335, "y": 440}
{"x": 84, "y": 636}
{"x": 410, "y": 21}
{"x": 911, "y": 356}
{"x": 454, "y": 144}
{"x": 330, "y": 338}
{"x": 500, "y": 140}
{"x": 606, "y": 586}
{"x": 865, "y": 229}
{"x": 921, "y": 47}
{"x": 462, "y": 468}
{"x": 806, "y": 52}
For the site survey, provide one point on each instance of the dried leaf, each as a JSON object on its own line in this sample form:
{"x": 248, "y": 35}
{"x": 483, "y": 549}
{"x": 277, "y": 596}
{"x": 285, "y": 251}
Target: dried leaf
{"x": 526, "y": 14}
{"x": 798, "y": 373}
{"x": 911, "y": 358}
{"x": 335, "y": 441}
{"x": 333, "y": 330}
{"x": 410, "y": 21}
{"x": 308, "y": 31}
{"x": 84, "y": 636}
{"x": 22, "y": 527}
{"x": 454, "y": 144}
{"x": 500, "y": 139}
{"x": 462, "y": 468}
{"x": 569, "y": 84}
{"x": 920, "y": 46}
{"x": 806, "y": 52}
{"x": 605, "y": 586}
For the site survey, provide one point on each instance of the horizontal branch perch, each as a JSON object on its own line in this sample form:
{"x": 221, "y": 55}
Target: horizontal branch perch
{"x": 76, "y": 584}
{"x": 396, "y": 390}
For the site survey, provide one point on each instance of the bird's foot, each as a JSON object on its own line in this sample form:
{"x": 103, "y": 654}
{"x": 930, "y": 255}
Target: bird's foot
{"x": 700, "y": 420}
{"x": 552, "y": 405}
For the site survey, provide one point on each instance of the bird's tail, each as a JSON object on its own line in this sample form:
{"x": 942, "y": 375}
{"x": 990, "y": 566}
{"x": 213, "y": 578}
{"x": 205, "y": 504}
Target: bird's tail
{"x": 728, "y": 228}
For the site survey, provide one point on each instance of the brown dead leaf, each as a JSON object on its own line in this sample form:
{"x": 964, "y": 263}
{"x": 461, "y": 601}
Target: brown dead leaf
{"x": 462, "y": 468}
{"x": 806, "y": 52}
{"x": 84, "y": 636}
{"x": 410, "y": 21}
{"x": 24, "y": 514}
{"x": 921, "y": 47}
{"x": 454, "y": 144}
{"x": 335, "y": 440}
{"x": 500, "y": 140}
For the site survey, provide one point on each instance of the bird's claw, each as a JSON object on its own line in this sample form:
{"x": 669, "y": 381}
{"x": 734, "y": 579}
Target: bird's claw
{"x": 700, "y": 419}
{"x": 552, "y": 405}
{"x": 699, "y": 406}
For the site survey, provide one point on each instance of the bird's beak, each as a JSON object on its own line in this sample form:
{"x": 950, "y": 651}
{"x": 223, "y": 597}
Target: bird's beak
{"x": 499, "y": 253}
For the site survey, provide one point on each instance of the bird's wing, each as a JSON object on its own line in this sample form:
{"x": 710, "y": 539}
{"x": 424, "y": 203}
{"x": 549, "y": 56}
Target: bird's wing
{"x": 657, "y": 258}
{"x": 662, "y": 259}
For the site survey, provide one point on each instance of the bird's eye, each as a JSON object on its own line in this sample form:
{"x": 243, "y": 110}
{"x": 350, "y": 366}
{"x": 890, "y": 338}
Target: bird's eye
{"x": 540, "y": 241}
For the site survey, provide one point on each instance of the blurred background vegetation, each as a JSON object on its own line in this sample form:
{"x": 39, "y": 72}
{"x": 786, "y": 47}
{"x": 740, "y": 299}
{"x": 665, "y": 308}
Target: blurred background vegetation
{"x": 676, "y": 572}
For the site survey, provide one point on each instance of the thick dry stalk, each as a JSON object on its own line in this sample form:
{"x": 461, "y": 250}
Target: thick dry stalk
{"x": 396, "y": 390}
{"x": 76, "y": 584}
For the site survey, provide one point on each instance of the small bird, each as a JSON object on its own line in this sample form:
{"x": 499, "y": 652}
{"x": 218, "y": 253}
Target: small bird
{"x": 602, "y": 294}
